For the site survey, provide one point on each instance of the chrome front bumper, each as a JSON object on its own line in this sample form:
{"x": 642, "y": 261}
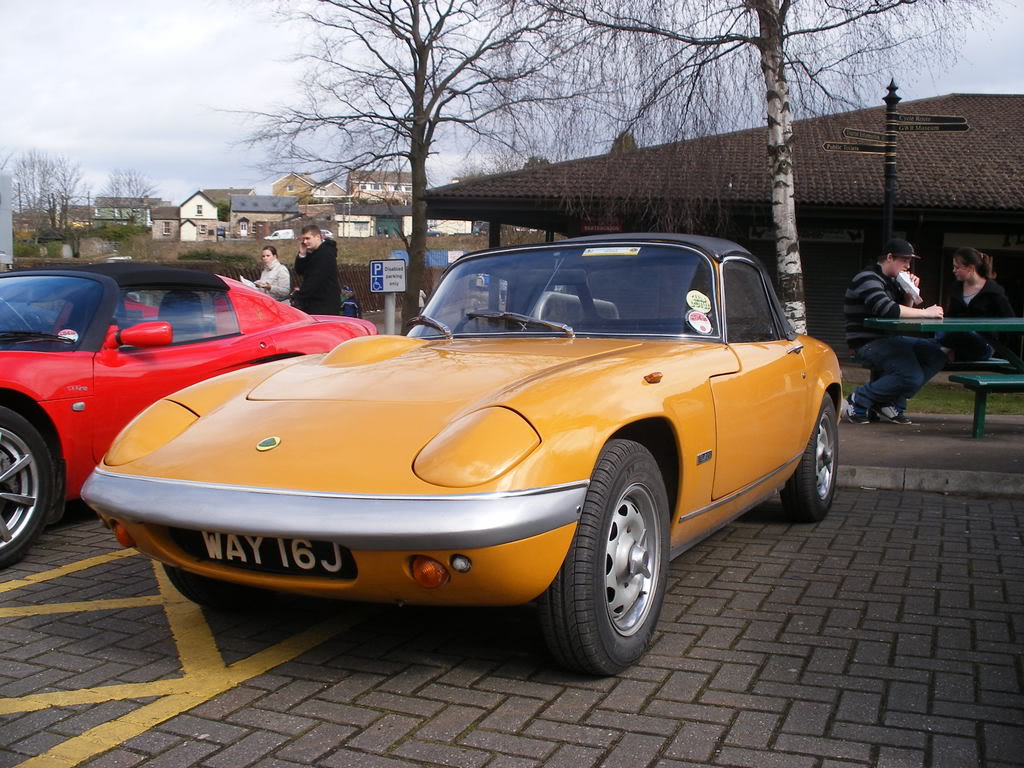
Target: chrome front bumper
{"x": 457, "y": 521}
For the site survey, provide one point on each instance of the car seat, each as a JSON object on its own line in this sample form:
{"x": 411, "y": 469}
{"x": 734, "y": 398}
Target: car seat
{"x": 184, "y": 311}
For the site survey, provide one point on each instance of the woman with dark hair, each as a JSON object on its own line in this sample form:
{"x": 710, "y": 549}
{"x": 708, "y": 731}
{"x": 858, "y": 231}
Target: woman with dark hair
{"x": 975, "y": 294}
{"x": 274, "y": 279}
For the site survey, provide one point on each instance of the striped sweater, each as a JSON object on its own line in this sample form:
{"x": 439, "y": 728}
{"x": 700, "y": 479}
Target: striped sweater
{"x": 871, "y": 294}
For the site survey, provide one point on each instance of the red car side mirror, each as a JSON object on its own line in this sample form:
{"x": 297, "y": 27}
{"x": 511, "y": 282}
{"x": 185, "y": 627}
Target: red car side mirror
{"x": 154, "y": 334}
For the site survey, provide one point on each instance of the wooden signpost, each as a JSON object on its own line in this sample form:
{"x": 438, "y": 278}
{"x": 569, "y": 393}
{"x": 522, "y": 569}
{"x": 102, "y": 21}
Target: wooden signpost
{"x": 885, "y": 144}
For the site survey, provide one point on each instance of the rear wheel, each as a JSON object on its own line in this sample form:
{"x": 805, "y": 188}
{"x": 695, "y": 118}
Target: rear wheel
{"x": 807, "y": 495}
{"x": 212, "y": 593}
{"x": 27, "y": 485}
{"x": 599, "y": 614}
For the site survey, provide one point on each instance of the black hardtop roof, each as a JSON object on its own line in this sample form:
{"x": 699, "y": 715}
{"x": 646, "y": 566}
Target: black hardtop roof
{"x": 714, "y": 246}
{"x": 130, "y": 275}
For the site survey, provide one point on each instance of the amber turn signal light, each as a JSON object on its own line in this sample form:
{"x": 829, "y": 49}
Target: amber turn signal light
{"x": 123, "y": 537}
{"x": 429, "y": 573}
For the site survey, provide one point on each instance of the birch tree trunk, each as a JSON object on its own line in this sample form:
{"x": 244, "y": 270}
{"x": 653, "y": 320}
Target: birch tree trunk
{"x": 790, "y": 278}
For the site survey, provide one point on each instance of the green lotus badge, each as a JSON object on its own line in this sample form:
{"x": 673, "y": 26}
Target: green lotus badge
{"x": 268, "y": 443}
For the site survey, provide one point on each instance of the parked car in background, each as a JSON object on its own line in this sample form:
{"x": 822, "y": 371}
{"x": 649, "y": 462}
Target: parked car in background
{"x": 562, "y": 419}
{"x": 281, "y": 234}
{"x": 326, "y": 234}
{"x": 83, "y": 350}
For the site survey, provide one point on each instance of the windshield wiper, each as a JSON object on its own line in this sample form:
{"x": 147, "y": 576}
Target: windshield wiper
{"x": 436, "y": 324}
{"x": 33, "y": 336}
{"x": 524, "y": 320}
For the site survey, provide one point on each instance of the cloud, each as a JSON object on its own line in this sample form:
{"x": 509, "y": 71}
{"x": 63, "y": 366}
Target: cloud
{"x": 151, "y": 86}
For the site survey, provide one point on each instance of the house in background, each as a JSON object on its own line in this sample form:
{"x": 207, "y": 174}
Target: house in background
{"x": 198, "y": 217}
{"x": 124, "y": 210}
{"x": 166, "y": 222}
{"x": 259, "y": 215}
{"x": 300, "y": 186}
{"x": 380, "y": 187}
{"x": 380, "y": 220}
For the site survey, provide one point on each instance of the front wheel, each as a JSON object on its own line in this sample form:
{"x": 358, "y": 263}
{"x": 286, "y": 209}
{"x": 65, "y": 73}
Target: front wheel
{"x": 599, "y": 614}
{"x": 807, "y": 495}
{"x": 27, "y": 485}
{"x": 221, "y": 595}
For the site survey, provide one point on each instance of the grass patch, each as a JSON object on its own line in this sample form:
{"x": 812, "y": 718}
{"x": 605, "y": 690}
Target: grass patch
{"x": 952, "y": 398}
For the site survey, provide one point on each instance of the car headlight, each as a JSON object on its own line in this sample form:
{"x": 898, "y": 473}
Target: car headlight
{"x": 157, "y": 425}
{"x": 476, "y": 448}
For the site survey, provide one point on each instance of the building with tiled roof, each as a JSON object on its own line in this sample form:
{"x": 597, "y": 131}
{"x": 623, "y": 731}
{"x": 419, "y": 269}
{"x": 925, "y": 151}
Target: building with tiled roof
{"x": 954, "y": 188}
{"x": 259, "y": 215}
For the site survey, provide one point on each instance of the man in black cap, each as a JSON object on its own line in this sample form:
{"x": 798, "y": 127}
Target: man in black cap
{"x": 900, "y": 365}
{"x": 317, "y": 265}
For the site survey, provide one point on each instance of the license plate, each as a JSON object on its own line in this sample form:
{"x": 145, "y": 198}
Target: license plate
{"x": 268, "y": 553}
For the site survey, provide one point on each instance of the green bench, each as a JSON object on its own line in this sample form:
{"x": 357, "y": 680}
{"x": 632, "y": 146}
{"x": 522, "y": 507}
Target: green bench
{"x": 983, "y": 383}
{"x": 997, "y": 364}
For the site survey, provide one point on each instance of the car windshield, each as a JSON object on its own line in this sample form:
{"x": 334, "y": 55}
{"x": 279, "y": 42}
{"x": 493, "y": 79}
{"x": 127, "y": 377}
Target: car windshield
{"x": 589, "y": 289}
{"x": 46, "y": 313}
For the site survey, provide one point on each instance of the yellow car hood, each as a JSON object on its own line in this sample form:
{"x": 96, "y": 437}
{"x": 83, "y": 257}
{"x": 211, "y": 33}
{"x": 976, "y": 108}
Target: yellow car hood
{"x": 389, "y": 369}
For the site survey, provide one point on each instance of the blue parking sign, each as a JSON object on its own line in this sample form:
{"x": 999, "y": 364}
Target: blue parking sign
{"x": 387, "y": 276}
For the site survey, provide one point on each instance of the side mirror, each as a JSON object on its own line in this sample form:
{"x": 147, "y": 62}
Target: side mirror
{"x": 154, "y": 334}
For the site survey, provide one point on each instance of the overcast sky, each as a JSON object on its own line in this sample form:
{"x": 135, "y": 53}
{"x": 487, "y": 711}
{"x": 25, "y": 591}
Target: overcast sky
{"x": 144, "y": 85}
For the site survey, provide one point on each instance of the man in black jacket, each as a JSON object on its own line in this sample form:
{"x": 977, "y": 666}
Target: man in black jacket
{"x": 317, "y": 266}
{"x": 903, "y": 364}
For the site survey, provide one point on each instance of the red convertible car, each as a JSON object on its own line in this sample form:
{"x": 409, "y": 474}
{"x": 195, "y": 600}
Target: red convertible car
{"x": 83, "y": 350}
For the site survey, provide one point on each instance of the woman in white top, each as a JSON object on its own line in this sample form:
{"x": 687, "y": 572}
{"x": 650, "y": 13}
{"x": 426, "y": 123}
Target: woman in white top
{"x": 274, "y": 279}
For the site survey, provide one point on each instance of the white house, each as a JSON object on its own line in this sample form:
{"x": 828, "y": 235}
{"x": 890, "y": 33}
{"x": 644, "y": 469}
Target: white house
{"x": 198, "y": 216}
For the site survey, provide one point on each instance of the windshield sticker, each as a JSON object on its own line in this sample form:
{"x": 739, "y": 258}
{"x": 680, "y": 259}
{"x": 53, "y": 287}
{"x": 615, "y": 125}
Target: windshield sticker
{"x": 68, "y": 333}
{"x": 697, "y": 300}
{"x": 699, "y": 322}
{"x": 611, "y": 251}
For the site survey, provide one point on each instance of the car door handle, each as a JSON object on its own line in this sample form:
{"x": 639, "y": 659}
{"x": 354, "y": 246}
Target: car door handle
{"x": 795, "y": 350}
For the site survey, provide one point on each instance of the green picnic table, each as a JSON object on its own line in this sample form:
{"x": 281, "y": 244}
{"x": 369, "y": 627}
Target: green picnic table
{"x": 980, "y": 383}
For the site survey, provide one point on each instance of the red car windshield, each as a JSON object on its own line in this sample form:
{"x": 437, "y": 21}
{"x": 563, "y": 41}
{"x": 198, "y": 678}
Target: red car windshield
{"x": 48, "y": 313}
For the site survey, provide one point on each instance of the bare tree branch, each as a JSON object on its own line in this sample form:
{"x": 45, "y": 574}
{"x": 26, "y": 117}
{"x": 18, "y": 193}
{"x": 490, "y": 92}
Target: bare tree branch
{"x": 388, "y": 79}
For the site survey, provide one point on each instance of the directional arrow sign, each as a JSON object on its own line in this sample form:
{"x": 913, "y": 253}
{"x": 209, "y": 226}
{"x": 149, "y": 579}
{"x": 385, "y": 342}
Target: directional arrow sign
{"x": 929, "y": 127}
{"x": 859, "y": 133}
{"x": 905, "y": 118}
{"x": 842, "y": 146}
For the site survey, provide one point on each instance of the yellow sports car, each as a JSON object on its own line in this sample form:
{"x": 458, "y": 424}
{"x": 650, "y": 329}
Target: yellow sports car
{"x": 560, "y": 422}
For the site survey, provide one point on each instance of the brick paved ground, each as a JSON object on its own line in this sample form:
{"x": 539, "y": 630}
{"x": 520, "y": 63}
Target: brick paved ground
{"x": 888, "y": 635}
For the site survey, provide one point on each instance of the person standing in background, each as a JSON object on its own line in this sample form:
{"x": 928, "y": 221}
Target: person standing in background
{"x": 274, "y": 280}
{"x": 317, "y": 266}
{"x": 349, "y": 303}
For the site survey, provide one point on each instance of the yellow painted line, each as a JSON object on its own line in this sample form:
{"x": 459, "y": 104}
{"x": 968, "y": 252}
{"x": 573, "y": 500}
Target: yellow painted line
{"x": 113, "y": 604}
{"x": 197, "y": 647}
{"x": 205, "y": 675}
{"x": 104, "y": 737}
{"x": 64, "y": 570}
{"x": 98, "y": 695}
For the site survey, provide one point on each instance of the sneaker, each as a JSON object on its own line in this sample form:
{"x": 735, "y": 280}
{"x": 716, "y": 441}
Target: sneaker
{"x": 854, "y": 413}
{"x": 891, "y": 414}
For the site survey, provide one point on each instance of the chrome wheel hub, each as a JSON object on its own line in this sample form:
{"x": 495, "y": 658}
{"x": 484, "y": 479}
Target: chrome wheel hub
{"x": 632, "y": 548}
{"x": 824, "y": 457}
{"x": 19, "y": 485}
